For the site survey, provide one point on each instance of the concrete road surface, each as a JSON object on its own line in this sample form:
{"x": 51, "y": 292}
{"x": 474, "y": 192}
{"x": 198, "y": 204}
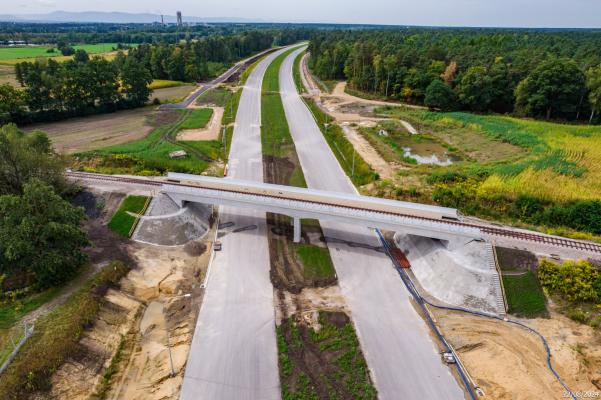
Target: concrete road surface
{"x": 234, "y": 353}
{"x": 398, "y": 348}
{"x": 210, "y": 85}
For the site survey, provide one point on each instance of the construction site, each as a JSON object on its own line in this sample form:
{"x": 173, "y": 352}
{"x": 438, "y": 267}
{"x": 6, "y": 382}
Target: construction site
{"x": 215, "y": 287}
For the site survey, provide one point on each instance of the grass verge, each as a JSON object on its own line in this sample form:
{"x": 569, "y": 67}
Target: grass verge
{"x": 122, "y": 222}
{"x": 56, "y": 336}
{"x": 525, "y": 297}
{"x": 316, "y": 261}
{"x": 296, "y": 72}
{"x": 358, "y": 170}
{"x": 199, "y": 118}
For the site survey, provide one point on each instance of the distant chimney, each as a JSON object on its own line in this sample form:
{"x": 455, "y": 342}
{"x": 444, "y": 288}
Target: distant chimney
{"x": 179, "y": 18}
{"x": 162, "y": 20}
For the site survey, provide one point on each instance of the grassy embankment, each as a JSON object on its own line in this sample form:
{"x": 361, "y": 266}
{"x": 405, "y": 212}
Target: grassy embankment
{"x": 122, "y": 221}
{"x": 56, "y": 336}
{"x": 344, "y": 151}
{"x": 322, "y": 364}
{"x": 150, "y": 155}
{"x": 502, "y": 161}
{"x": 525, "y": 297}
{"x": 296, "y": 70}
{"x": 326, "y": 86}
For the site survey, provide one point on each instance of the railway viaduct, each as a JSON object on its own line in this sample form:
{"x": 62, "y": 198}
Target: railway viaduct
{"x": 301, "y": 203}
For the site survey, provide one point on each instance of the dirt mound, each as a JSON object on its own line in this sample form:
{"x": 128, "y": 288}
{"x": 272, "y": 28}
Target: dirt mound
{"x": 510, "y": 363}
{"x": 195, "y": 248}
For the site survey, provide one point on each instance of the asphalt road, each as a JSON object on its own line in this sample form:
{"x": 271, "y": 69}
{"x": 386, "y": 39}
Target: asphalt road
{"x": 396, "y": 342}
{"x": 234, "y": 352}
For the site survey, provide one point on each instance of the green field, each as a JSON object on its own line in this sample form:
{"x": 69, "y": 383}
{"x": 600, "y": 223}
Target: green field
{"x": 525, "y": 297}
{"x": 503, "y": 168}
{"x": 150, "y": 155}
{"x": 219, "y": 96}
{"x": 198, "y": 119}
{"x": 316, "y": 261}
{"x": 122, "y": 222}
{"x": 12, "y": 53}
{"x": 552, "y": 161}
{"x": 164, "y": 83}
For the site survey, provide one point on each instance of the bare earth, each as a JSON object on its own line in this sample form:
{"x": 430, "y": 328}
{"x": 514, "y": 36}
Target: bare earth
{"x": 88, "y": 133}
{"x": 209, "y": 132}
{"x": 509, "y": 363}
{"x": 7, "y": 75}
{"x": 172, "y": 93}
{"x": 367, "y": 152}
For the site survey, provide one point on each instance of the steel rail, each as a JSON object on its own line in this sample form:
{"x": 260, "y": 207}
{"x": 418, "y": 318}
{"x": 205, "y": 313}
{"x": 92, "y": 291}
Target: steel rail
{"x": 488, "y": 230}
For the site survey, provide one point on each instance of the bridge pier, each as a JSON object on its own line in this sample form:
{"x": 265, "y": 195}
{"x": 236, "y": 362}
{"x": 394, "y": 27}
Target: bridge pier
{"x": 297, "y": 229}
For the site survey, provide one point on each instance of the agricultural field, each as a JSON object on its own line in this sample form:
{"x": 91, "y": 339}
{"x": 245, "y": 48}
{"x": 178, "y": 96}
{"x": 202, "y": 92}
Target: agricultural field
{"x": 172, "y": 94}
{"x": 164, "y": 83}
{"x": 7, "y": 75}
{"x": 150, "y": 155}
{"x": 96, "y": 131}
{"x": 13, "y": 55}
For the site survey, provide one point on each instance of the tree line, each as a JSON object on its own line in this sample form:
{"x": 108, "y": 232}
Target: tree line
{"x": 90, "y": 33}
{"x": 538, "y": 73}
{"x": 52, "y": 90}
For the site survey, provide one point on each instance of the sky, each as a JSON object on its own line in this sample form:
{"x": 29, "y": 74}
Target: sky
{"x": 500, "y": 13}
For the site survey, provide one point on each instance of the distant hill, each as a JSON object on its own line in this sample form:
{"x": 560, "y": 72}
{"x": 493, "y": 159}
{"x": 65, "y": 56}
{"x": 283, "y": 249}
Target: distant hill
{"x": 110, "y": 17}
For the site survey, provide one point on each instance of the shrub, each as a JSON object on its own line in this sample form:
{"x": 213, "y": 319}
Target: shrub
{"x": 575, "y": 280}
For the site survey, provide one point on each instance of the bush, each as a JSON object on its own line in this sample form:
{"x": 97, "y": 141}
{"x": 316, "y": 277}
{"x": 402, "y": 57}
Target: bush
{"x": 575, "y": 280}
{"x": 578, "y": 315}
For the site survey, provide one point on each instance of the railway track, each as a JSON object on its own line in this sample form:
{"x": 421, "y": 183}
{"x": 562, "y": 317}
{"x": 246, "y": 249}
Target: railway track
{"x": 486, "y": 229}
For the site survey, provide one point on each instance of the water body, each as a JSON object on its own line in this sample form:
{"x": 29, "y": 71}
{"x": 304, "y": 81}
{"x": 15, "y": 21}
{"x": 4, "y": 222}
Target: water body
{"x": 443, "y": 159}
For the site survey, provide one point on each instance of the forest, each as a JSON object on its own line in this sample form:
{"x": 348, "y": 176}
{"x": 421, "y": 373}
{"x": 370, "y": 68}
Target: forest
{"x": 552, "y": 74}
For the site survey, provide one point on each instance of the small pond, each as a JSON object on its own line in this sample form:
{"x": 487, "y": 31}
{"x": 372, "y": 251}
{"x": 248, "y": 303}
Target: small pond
{"x": 425, "y": 151}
